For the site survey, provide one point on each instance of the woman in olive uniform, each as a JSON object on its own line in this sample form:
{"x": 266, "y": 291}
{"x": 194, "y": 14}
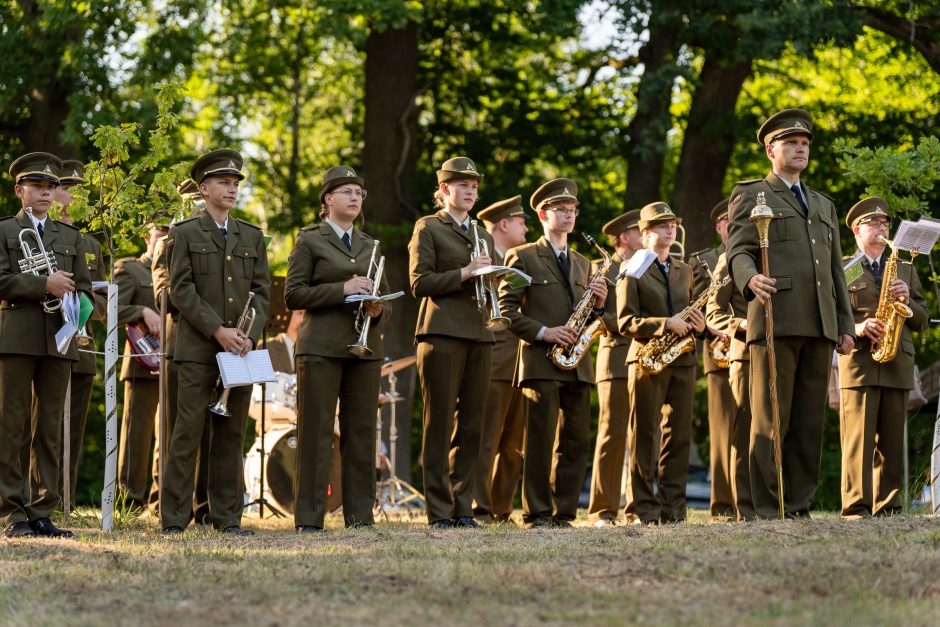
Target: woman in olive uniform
{"x": 329, "y": 262}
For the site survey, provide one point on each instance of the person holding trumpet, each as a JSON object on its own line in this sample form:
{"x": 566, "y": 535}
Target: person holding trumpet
{"x": 338, "y": 354}
{"x": 217, "y": 264}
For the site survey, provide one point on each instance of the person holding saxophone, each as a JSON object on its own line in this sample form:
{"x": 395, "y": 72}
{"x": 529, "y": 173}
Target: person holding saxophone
{"x": 876, "y": 378}
{"x": 338, "y": 353}
{"x": 218, "y": 274}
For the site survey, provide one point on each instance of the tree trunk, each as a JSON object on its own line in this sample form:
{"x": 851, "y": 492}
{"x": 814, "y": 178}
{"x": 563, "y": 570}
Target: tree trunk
{"x": 389, "y": 159}
{"x": 294, "y": 202}
{"x": 706, "y": 150}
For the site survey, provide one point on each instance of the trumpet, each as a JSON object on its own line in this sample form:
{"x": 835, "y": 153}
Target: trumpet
{"x": 485, "y": 287}
{"x": 38, "y": 263}
{"x": 363, "y": 319}
{"x": 245, "y": 322}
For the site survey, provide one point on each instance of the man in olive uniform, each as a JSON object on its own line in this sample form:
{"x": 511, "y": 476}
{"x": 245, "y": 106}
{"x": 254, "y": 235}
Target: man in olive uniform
{"x": 216, "y": 261}
{"x": 727, "y": 312}
{"x": 454, "y": 344}
{"x": 811, "y": 311}
{"x": 613, "y": 398}
{"x": 141, "y": 386}
{"x": 500, "y": 465}
{"x": 720, "y": 399}
{"x": 557, "y": 402}
{"x": 30, "y": 362}
{"x": 874, "y": 394}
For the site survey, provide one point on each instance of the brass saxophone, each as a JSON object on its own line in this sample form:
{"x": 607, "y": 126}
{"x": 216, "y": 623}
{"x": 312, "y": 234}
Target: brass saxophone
{"x": 582, "y": 320}
{"x": 891, "y": 311}
{"x": 720, "y": 351}
{"x": 661, "y": 351}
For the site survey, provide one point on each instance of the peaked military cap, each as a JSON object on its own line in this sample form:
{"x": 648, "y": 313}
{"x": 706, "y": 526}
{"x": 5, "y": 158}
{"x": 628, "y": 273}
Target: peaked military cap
{"x": 657, "y": 212}
{"x": 865, "y": 210}
{"x": 622, "y": 223}
{"x": 217, "y": 163}
{"x": 784, "y": 123}
{"x": 73, "y": 172}
{"x": 336, "y": 176}
{"x": 556, "y": 190}
{"x": 37, "y": 166}
{"x": 458, "y": 168}
{"x": 719, "y": 211}
{"x": 509, "y": 208}
{"x": 188, "y": 189}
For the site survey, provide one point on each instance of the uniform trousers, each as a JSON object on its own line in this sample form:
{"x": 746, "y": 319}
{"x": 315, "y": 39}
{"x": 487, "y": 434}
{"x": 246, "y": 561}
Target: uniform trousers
{"x": 225, "y": 487}
{"x": 803, "y": 365}
{"x": 455, "y": 374}
{"x": 557, "y": 447}
{"x": 610, "y": 449}
{"x": 20, "y": 375}
{"x": 872, "y": 428}
{"x": 320, "y": 381}
{"x": 741, "y": 438}
{"x": 720, "y": 433}
{"x": 141, "y": 398}
{"x": 500, "y": 465}
{"x": 661, "y": 402}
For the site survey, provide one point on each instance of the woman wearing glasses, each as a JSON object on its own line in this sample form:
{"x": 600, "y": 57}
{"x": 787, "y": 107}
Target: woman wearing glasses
{"x": 330, "y": 262}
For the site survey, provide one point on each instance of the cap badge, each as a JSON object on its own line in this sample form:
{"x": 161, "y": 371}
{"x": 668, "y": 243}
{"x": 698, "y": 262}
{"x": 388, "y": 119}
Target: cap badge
{"x": 232, "y": 165}
{"x": 469, "y": 166}
{"x": 75, "y": 173}
{"x": 48, "y": 169}
{"x": 797, "y": 124}
{"x": 350, "y": 173}
{"x": 567, "y": 193}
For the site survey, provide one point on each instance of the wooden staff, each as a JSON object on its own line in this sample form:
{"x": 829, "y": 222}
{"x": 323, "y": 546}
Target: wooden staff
{"x": 761, "y": 215}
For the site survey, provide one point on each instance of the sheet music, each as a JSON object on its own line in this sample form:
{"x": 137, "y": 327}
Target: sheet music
{"x": 255, "y": 367}
{"x": 637, "y": 265}
{"x": 513, "y": 276}
{"x": 358, "y": 298}
{"x": 71, "y": 307}
{"x": 920, "y": 235}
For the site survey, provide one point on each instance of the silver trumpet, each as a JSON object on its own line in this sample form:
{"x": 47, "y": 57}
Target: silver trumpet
{"x": 245, "y": 322}
{"x": 485, "y": 286}
{"x": 363, "y": 319}
{"x": 38, "y": 263}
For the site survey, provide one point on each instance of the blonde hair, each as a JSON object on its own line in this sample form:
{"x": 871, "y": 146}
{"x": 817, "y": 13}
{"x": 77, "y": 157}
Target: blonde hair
{"x": 439, "y": 202}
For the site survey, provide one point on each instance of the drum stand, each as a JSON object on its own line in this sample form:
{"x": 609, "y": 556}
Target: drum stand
{"x": 261, "y": 501}
{"x": 400, "y": 492}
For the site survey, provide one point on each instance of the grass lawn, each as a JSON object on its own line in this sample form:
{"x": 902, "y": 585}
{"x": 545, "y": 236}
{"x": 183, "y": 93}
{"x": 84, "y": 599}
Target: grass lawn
{"x": 824, "y": 571}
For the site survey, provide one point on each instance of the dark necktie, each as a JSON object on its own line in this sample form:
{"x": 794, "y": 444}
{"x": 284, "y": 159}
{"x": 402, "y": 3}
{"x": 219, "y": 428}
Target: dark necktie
{"x": 565, "y": 267}
{"x": 40, "y": 229}
{"x": 224, "y": 232}
{"x": 876, "y": 270}
{"x": 465, "y": 228}
{"x": 665, "y": 272}
{"x": 347, "y": 242}
{"x": 799, "y": 198}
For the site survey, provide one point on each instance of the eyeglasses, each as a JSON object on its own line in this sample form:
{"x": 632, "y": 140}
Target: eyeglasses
{"x": 875, "y": 224}
{"x": 349, "y": 193}
{"x": 564, "y": 210}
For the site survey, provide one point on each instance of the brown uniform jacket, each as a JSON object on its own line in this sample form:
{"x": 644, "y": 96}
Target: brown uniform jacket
{"x": 24, "y": 328}
{"x": 281, "y": 358}
{"x": 134, "y": 279}
{"x": 613, "y": 347}
{"x": 642, "y": 308}
{"x": 858, "y": 369}
{"x": 805, "y": 258}
{"x": 210, "y": 277}
{"x": 160, "y": 275}
{"x": 544, "y": 303}
{"x": 318, "y": 267}
{"x": 725, "y": 311}
{"x": 701, "y": 280}
{"x": 438, "y": 250}
{"x": 88, "y": 362}
{"x": 506, "y": 349}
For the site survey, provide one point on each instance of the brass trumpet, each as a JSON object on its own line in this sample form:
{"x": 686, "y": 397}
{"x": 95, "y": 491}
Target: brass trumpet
{"x": 245, "y": 322}
{"x": 363, "y": 319}
{"x": 38, "y": 263}
{"x": 485, "y": 286}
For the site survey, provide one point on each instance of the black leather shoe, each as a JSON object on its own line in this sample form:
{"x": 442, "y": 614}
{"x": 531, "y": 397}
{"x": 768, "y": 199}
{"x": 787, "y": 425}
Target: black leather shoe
{"x": 465, "y": 522}
{"x": 443, "y": 523}
{"x": 173, "y": 530}
{"x": 44, "y": 527}
{"x": 309, "y": 529}
{"x": 541, "y": 523}
{"x": 798, "y": 514}
{"x": 561, "y": 523}
{"x": 235, "y": 530}
{"x": 19, "y": 530}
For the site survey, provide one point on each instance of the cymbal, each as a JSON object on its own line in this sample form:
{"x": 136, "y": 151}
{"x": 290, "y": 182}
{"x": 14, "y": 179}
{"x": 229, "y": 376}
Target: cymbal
{"x": 398, "y": 364}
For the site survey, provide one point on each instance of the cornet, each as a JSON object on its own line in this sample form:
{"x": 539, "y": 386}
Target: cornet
{"x": 363, "y": 319}
{"x": 38, "y": 263}
{"x": 486, "y": 287}
{"x": 245, "y": 322}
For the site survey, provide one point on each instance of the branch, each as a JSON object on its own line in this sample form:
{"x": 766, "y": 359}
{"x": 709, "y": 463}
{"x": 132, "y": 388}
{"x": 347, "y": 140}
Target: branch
{"x": 924, "y": 36}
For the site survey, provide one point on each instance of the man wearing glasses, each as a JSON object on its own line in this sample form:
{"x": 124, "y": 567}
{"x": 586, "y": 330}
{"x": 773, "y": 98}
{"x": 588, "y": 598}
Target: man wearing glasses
{"x": 555, "y": 400}
{"x": 874, "y": 395}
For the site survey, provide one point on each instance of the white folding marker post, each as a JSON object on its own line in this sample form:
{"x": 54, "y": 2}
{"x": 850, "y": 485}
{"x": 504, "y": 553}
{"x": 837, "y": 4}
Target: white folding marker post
{"x": 110, "y": 404}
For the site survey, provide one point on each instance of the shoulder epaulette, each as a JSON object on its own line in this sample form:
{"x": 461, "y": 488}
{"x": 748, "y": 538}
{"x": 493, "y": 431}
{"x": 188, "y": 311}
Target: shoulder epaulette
{"x": 73, "y": 227}
{"x": 813, "y": 189}
{"x": 310, "y": 228}
{"x": 6, "y": 218}
{"x": 367, "y": 236}
{"x": 749, "y": 182}
{"x": 254, "y": 226}
{"x": 186, "y": 221}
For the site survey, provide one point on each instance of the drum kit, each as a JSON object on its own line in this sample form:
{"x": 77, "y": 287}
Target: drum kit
{"x": 270, "y": 466}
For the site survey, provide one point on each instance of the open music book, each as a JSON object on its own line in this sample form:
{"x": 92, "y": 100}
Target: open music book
{"x": 515, "y": 278}
{"x": 637, "y": 265}
{"x": 255, "y": 367}
{"x": 369, "y": 298}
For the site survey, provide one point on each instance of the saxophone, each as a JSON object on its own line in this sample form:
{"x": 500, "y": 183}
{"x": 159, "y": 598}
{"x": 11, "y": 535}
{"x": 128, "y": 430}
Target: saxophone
{"x": 891, "y": 311}
{"x": 582, "y": 320}
{"x": 661, "y": 351}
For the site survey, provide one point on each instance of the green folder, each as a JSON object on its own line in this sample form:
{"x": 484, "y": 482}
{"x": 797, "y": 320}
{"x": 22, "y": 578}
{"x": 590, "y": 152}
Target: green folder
{"x": 86, "y": 307}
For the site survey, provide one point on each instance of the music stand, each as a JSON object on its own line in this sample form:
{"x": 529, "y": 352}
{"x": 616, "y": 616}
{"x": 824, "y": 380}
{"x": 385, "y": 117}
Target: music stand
{"x": 278, "y": 319}
{"x": 400, "y": 492}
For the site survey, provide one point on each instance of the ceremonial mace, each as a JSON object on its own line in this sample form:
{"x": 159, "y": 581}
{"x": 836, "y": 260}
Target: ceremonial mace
{"x": 761, "y": 215}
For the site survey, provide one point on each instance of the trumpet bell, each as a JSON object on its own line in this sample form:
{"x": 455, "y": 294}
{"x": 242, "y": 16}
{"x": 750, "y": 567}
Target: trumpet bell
{"x": 359, "y": 350}
{"x": 499, "y": 323}
{"x": 219, "y": 408}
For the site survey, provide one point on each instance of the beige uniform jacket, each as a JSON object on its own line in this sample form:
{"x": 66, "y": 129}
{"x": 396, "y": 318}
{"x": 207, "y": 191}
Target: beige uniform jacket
{"x": 858, "y": 369}
{"x": 210, "y": 277}
{"x": 642, "y": 306}
{"x": 805, "y": 257}
{"x": 544, "y": 303}
{"x": 725, "y": 311}
{"x": 612, "y": 347}
{"x": 134, "y": 278}
{"x": 438, "y": 250}
{"x": 318, "y": 267}
{"x": 24, "y": 328}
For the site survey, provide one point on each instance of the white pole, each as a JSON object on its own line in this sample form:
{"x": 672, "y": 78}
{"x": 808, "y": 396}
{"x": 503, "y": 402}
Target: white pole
{"x": 110, "y": 404}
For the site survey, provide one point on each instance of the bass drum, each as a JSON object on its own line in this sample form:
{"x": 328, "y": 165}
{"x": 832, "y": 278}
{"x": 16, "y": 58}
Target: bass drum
{"x": 281, "y": 470}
